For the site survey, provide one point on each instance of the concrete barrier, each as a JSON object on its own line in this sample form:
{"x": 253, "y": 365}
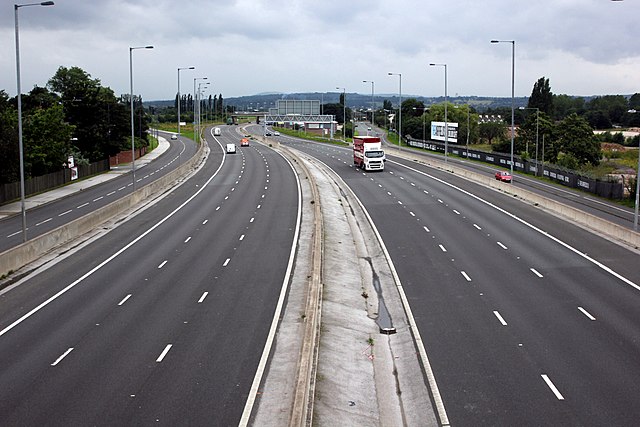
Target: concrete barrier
{"x": 17, "y": 257}
{"x": 621, "y": 234}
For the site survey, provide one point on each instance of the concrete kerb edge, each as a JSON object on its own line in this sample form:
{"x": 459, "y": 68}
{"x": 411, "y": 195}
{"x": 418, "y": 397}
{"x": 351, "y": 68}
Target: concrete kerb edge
{"x": 617, "y": 233}
{"x": 14, "y": 259}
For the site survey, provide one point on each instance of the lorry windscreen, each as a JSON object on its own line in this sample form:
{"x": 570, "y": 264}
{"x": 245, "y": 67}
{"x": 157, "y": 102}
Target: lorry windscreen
{"x": 374, "y": 154}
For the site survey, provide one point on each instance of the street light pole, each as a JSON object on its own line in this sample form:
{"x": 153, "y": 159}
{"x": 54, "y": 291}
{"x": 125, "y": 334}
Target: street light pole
{"x": 446, "y": 122}
{"x": 372, "y": 101}
{"x": 513, "y": 79}
{"x": 344, "y": 112}
{"x": 133, "y": 149}
{"x": 179, "y": 99}
{"x": 23, "y": 211}
{"x": 399, "y": 111}
{"x": 194, "y": 106}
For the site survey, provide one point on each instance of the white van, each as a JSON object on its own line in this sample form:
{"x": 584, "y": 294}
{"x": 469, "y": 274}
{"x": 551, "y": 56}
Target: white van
{"x": 231, "y": 148}
{"x": 217, "y": 132}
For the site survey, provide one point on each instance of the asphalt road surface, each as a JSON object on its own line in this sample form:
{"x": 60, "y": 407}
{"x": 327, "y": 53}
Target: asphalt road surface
{"x": 527, "y": 319}
{"x": 47, "y": 217}
{"x": 163, "y": 320}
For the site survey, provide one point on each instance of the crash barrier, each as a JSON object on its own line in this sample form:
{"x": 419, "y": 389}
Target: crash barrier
{"x": 17, "y": 257}
{"x": 606, "y": 189}
{"x": 619, "y": 233}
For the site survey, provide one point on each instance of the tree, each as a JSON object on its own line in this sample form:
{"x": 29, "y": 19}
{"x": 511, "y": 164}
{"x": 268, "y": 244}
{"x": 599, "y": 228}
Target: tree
{"x": 541, "y": 96}
{"x": 387, "y": 105}
{"x": 634, "y": 101}
{"x": 574, "y": 138}
{"x": 47, "y": 140}
{"x": 9, "y": 160}
{"x": 563, "y": 105}
{"x": 526, "y": 137}
{"x": 101, "y": 123}
{"x": 494, "y": 130}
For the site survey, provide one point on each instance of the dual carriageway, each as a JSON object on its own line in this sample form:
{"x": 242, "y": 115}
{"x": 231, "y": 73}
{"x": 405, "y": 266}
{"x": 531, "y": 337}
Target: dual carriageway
{"x": 526, "y": 319}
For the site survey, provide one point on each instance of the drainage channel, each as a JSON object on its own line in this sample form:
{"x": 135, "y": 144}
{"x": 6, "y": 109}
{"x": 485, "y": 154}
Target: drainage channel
{"x": 384, "y": 318}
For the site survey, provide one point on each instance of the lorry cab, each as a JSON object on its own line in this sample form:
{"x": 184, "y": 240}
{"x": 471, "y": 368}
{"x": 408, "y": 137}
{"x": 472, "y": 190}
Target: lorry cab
{"x": 368, "y": 153}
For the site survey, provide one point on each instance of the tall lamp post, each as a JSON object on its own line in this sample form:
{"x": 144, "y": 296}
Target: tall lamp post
{"x": 513, "y": 79}
{"x": 179, "y": 99}
{"x": 20, "y": 145}
{"x": 133, "y": 148}
{"x": 372, "y": 101}
{"x": 399, "y": 111}
{"x": 195, "y": 95}
{"x": 537, "y": 122}
{"x": 200, "y": 105}
{"x": 344, "y": 111}
{"x": 446, "y": 122}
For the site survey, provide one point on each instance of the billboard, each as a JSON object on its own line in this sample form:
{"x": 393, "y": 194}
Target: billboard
{"x": 437, "y": 131}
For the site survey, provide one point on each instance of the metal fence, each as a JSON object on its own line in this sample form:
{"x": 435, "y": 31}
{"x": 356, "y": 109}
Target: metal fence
{"x": 39, "y": 184}
{"x": 607, "y": 189}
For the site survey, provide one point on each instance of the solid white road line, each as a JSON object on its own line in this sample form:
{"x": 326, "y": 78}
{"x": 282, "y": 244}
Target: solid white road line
{"x": 164, "y": 353}
{"x": 534, "y": 271}
{"x": 500, "y": 318}
{"x": 586, "y": 313}
{"x": 59, "y": 359}
{"x": 204, "y": 295}
{"x": 552, "y": 387}
{"x": 162, "y": 263}
{"x": 124, "y": 299}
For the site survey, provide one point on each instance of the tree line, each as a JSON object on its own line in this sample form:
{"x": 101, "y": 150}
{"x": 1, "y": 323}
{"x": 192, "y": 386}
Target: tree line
{"x": 560, "y": 125}
{"x": 73, "y": 115}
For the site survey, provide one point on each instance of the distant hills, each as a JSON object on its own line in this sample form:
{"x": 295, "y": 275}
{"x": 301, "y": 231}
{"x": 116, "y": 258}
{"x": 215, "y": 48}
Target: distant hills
{"x": 265, "y": 100}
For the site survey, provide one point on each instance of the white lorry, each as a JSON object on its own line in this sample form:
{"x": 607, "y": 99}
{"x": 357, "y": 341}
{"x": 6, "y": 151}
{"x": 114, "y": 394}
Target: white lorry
{"x": 217, "y": 132}
{"x": 368, "y": 153}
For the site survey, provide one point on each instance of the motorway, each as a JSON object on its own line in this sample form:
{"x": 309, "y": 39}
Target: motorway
{"x": 49, "y": 216}
{"x": 527, "y": 319}
{"x": 162, "y": 320}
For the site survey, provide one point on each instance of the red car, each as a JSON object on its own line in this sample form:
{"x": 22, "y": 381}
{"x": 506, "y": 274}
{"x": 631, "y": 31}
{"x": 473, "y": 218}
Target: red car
{"x": 503, "y": 176}
{"x": 244, "y": 142}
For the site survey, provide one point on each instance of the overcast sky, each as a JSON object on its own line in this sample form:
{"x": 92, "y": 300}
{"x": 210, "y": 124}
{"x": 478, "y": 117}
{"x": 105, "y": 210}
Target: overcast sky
{"x": 245, "y": 47}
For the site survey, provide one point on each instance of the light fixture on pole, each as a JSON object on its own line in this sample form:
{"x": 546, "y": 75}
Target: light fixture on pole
{"x": 446, "y": 120}
{"x": 344, "y": 112}
{"x": 372, "y": 101}
{"x": 179, "y": 98}
{"x": 513, "y": 79}
{"x": 133, "y": 148}
{"x": 399, "y": 111}
{"x": 23, "y": 211}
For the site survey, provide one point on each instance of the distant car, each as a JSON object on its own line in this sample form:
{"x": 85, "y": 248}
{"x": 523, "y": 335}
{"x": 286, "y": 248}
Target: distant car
{"x": 369, "y": 128}
{"x": 244, "y": 142}
{"x": 231, "y": 148}
{"x": 174, "y": 136}
{"x": 503, "y": 176}
{"x": 276, "y": 133}
{"x": 267, "y": 133}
